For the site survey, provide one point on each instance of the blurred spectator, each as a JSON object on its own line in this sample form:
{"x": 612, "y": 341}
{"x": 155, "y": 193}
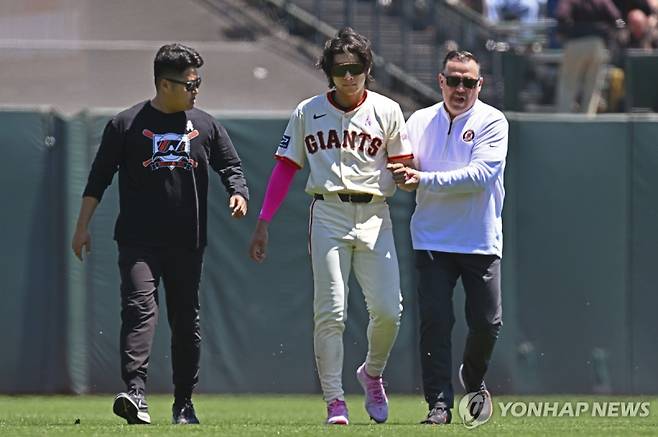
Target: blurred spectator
{"x": 625, "y": 6}
{"x": 641, "y": 33}
{"x": 551, "y": 8}
{"x": 551, "y": 12}
{"x": 587, "y": 27}
{"x": 512, "y": 10}
{"x": 422, "y": 15}
{"x": 521, "y": 14}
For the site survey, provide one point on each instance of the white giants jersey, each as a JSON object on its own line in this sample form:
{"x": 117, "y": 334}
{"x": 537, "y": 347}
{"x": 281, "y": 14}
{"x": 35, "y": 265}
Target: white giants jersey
{"x": 347, "y": 151}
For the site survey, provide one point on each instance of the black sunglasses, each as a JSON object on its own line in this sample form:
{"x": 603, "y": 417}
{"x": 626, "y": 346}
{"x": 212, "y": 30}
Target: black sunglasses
{"x": 454, "y": 81}
{"x": 190, "y": 85}
{"x": 341, "y": 69}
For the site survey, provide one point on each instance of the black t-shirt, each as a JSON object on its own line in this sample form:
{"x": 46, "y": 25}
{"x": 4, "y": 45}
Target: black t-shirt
{"x": 163, "y": 162}
{"x": 583, "y": 18}
{"x": 625, "y": 6}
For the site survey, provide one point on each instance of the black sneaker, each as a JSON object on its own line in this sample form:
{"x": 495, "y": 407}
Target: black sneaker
{"x": 132, "y": 407}
{"x": 439, "y": 415}
{"x": 183, "y": 413}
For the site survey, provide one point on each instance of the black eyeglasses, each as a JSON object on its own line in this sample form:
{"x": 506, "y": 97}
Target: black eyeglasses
{"x": 454, "y": 81}
{"x": 341, "y": 69}
{"x": 190, "y": 85}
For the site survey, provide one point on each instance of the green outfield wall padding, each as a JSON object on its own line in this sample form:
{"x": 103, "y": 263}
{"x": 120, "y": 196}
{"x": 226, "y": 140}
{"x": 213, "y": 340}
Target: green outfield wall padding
{"x": 512, "y": 371}
{"x": 256, "y": 318}
{"x": 578, "y": 285}
{"x": 77, "y": 159}
{"x": 33, "y": 311}
{"x": 642, "y": 298}
{"x": 571, "y": 242}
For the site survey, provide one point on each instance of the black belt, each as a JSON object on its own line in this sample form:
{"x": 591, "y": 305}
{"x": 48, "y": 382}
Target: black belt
{"x": 347, "y": 197}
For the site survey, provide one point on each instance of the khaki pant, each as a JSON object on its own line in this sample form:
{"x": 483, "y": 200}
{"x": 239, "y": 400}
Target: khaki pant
{"x": 581, "y": 71}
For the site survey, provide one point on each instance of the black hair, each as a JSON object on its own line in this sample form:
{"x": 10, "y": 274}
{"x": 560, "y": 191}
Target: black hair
{"x": 346, "y": 41}
{"x": 174, "y": 59}
{"x": 460, "y": 56}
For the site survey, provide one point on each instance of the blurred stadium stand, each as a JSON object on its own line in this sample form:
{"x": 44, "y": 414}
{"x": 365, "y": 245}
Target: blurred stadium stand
{"x": 411, "y": 38}
{"x": 260, "y": 53}
{"x": 520, "y": 61}
{"x": 74, "y": 54}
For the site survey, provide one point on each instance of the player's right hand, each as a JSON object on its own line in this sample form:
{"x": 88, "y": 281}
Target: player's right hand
{"x": 258, "y": 245}
{"x": 81, "y": 239}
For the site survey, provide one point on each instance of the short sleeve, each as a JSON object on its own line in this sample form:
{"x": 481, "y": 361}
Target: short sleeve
{"x": 291, "y": 147}
{"x": 398, "y": 146}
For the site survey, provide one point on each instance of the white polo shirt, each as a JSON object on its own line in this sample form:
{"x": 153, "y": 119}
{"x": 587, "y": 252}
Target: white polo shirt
{"x": 459, "y": 200}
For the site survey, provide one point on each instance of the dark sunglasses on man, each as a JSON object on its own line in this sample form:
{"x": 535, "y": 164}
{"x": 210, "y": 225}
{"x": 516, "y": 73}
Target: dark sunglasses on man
{"x": 340, "y": 70}
{"x": 454, "y": 81}
{"x": 190, "y": 85}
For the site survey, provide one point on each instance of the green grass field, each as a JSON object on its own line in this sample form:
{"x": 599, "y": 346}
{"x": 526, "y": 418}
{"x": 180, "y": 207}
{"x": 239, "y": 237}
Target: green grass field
{"x": 298, "y": 415}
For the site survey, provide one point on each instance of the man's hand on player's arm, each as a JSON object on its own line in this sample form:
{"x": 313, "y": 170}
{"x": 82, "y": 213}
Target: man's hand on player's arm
{"x": 404, "y": 175}
{"x": 258, "y": 245}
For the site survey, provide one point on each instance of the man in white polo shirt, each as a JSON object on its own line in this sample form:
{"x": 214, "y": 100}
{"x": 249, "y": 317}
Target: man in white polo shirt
{"x": 460, "y": 146}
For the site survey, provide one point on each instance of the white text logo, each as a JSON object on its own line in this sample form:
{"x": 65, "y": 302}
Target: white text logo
{"x": 574, "y": 409}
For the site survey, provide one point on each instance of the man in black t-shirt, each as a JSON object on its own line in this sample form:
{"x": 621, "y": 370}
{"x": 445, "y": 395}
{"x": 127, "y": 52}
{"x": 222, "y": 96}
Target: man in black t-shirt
{"x": 162, "y": 149}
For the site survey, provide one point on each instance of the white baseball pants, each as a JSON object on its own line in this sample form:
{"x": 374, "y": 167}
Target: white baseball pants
{"x": 346, "y": 236}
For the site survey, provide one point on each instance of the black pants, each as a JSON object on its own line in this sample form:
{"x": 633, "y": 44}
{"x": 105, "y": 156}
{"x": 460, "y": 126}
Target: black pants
{"x": 141, "y": 270}
{"x": 438, "y": 274}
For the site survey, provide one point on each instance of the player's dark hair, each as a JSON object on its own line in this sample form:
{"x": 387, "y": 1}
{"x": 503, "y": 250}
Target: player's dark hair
{"x": 460, "y": 56}
{"x": 346, "y": 41}
{"x": 173, "y": 59}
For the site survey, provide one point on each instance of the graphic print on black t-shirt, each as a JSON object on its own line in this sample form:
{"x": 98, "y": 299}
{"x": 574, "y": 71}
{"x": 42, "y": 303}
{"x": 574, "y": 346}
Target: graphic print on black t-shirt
{"x": 171, "y": 150}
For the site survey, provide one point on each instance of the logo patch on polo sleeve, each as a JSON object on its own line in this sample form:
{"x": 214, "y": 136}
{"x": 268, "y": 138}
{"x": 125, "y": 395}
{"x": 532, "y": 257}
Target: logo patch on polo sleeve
{"x": 468, "y": 135}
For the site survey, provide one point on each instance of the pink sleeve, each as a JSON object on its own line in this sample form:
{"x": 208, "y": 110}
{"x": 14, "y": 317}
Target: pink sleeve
{"x": 277, "y": 188}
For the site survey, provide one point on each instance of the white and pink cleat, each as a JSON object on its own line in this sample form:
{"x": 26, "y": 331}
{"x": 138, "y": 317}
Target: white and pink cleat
{"x": 337, "y": 413}
{"x": 376, "y": 400}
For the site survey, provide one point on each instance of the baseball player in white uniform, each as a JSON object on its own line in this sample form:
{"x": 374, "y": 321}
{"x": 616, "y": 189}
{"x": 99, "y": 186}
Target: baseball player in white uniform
{"x": 460, "y": 149}
{"x": 348, "y": 136}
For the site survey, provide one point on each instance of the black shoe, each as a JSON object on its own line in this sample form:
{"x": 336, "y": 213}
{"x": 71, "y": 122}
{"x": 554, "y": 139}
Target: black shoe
{"x": 183, "y": 413}
{"x": 132, "y": 407}
{"x": 439, "y": 415}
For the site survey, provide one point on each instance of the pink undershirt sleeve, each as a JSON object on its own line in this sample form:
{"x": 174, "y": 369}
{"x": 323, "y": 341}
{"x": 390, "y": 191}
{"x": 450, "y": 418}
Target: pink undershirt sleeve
{"x": 277, "y": 188}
